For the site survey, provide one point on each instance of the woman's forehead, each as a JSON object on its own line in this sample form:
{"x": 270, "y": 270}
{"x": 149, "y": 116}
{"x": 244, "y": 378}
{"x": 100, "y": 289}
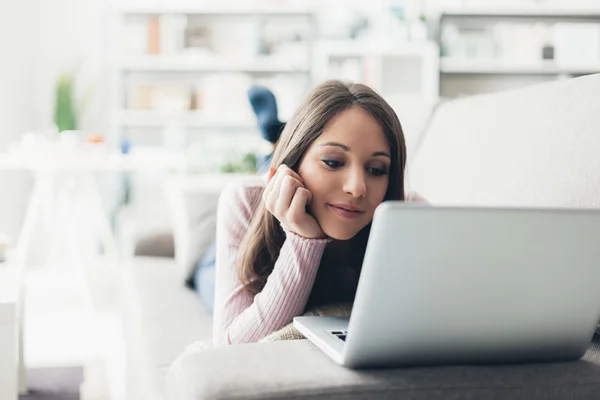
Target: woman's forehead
{"x": 354, "y": 127}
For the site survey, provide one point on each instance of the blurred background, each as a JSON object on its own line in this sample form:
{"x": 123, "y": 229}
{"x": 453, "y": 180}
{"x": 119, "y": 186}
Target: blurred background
{"x": 171, "y": 78}
{"x": 111, "y": 111}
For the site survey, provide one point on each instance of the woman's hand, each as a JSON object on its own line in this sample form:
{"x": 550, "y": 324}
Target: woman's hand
{"x": 286, "y": 198}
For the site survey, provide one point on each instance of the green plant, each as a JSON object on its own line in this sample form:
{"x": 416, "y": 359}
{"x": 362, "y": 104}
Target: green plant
{"x": 65, "y": 116}
{"x": 247, "y": 164}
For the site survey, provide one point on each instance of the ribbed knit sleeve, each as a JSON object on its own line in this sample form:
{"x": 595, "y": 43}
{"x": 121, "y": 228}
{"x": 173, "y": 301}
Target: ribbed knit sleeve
{"x": 239, "y": 316}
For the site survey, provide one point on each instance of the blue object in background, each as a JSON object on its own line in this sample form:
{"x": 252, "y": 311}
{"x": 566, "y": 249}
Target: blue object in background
{"x": 204, "y": 277}
{"x": 264, "y": 105}
{"x": 125, "y": 146}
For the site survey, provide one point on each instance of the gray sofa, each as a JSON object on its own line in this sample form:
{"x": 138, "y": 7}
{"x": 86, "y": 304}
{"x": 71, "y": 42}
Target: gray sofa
{"x": 536, "y": 146}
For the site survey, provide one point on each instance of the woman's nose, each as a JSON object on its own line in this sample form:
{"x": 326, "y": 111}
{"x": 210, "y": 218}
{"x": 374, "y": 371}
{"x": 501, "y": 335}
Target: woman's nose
{"x": 355, "y": 184}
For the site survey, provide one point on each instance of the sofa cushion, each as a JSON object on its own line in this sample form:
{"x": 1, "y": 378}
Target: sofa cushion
{"x": 161, "y": 318}
{"x": 192, "y": 203}
{"x": 535, "y": 146}
{"x": 194, "y": 228}
{"x": 298, "y": 370}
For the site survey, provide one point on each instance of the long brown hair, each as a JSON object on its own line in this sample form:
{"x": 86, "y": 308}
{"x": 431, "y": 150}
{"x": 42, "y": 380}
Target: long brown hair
{"x": 262, "y": 243}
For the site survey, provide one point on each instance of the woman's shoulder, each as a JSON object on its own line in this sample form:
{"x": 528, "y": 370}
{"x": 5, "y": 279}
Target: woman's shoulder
{"x": 243, "y": 196}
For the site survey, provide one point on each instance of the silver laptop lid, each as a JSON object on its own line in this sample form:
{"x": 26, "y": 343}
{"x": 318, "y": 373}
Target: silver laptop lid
{"x": 449, "y": 284}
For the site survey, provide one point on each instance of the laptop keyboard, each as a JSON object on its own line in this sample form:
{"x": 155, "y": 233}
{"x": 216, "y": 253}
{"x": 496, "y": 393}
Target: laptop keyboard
{"x": 340, "y": 335}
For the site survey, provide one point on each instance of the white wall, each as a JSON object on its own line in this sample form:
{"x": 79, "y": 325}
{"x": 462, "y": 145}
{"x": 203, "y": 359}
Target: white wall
{"x": 38, "y": 40}
{"x": 72, "y": 36}
{"x": 17, "y": 38}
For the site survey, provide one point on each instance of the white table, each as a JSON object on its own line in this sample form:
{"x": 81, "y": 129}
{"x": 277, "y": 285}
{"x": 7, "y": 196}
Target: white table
{"x": 48, "y": 169}
{"x": 12, "y": 367}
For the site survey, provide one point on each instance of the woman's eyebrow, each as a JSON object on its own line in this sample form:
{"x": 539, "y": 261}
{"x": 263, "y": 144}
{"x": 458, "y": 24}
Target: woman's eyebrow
{"x": 381, "y": 153}
{"x": 343, "y": 146}
{"x": 346, "y": 148}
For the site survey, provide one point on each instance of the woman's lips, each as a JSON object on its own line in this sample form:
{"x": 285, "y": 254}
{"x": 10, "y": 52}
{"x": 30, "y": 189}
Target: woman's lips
{"x": 345, "y": 211}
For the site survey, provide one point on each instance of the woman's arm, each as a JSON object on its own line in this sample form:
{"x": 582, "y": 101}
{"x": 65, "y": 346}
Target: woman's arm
{"x": 241, "y": 317}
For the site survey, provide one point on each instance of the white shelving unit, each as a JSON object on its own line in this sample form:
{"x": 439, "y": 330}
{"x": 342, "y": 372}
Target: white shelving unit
{"x": 218, "y": 11}
{"x": 186, "y": 66}
{"x": 462, "y": 76}
{"x": 153, "y": 119}
{"x": 467, "y": 67}
{"x": 198, "y": 64}
{"x": 523, "y": 13}
{"x": 409, "y": 69}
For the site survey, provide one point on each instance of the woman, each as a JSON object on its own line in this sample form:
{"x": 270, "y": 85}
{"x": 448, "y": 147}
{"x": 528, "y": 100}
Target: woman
{"x": 298, "y": 242}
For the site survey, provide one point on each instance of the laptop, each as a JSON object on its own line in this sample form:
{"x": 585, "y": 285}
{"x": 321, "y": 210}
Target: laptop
{"x": 463, "y": 285}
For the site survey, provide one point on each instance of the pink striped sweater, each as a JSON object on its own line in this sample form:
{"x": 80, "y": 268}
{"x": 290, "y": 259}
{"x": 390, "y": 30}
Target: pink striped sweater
{"x": 239, "y": 316}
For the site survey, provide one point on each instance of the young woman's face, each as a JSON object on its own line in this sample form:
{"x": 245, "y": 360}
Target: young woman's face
{"x": 347, "y": 171}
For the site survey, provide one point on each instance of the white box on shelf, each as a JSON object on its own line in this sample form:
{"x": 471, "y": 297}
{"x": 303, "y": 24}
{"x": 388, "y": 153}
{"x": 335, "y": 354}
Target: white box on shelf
{"x": 172, "y": 33}
{"x": 411, "y": 68}
{"x": 577, "y": 43}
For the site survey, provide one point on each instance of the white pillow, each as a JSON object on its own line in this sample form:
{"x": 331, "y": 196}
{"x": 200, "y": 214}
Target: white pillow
{"x": 192, "y": 203}
{"x": 194, "y": 216}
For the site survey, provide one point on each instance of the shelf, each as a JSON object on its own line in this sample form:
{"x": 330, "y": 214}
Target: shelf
{"x": 190, "y": 119}
{"x": 92, "y": 160}
{"x": 498, "y": 68}
{"x": 523, "y": 13}
{"x": 232, "y": 11}
{"x": 345, "y": 48}
{"x": 204, "y": 182}
{"x": 160, "y": 63}
{"x": 234, "y": 68}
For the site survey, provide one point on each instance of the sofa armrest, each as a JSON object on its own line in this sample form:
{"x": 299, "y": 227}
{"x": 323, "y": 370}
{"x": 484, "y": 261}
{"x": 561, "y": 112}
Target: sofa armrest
{"x": 298, "y": 370}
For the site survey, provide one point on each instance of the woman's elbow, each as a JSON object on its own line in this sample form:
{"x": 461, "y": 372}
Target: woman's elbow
{"x": 220, "y": 341}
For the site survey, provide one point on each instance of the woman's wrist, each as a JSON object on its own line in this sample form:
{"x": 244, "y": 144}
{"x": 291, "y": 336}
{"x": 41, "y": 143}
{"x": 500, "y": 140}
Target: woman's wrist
{"x": 323, "y": 239}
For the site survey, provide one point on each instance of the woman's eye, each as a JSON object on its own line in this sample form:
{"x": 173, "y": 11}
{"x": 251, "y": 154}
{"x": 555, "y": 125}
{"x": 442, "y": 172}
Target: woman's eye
{"x": 333, "y": 164}
{"x": 376, "y": 171}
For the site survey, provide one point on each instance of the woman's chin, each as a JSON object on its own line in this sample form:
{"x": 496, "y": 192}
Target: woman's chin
{"x": 340, "y": 234}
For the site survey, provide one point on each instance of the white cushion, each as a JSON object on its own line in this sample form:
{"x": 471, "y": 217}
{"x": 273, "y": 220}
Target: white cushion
{"x": 536, "y": 146}
{"x": 192, "y": 203}
{"x": 161, "y": 318}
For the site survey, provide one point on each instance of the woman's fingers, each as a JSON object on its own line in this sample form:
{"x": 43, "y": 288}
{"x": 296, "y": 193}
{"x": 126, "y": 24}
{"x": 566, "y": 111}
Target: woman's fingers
{"x": 270, "y": 174}
{"x": 285, "y": 170}
{"x": 280, "y": 190}
{"x": 297, "y": 209}
{"x": 286, "y": 198}
{"x": 272, "y": 187}
{"x": 286, "y": 193}
{"x": 275, "y": 180}
{"x": 293, "y": 174}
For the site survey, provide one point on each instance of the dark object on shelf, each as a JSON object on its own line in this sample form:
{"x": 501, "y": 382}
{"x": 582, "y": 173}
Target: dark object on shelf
{"x": 197, "y": 35}
{"x": 548, "y": 52}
